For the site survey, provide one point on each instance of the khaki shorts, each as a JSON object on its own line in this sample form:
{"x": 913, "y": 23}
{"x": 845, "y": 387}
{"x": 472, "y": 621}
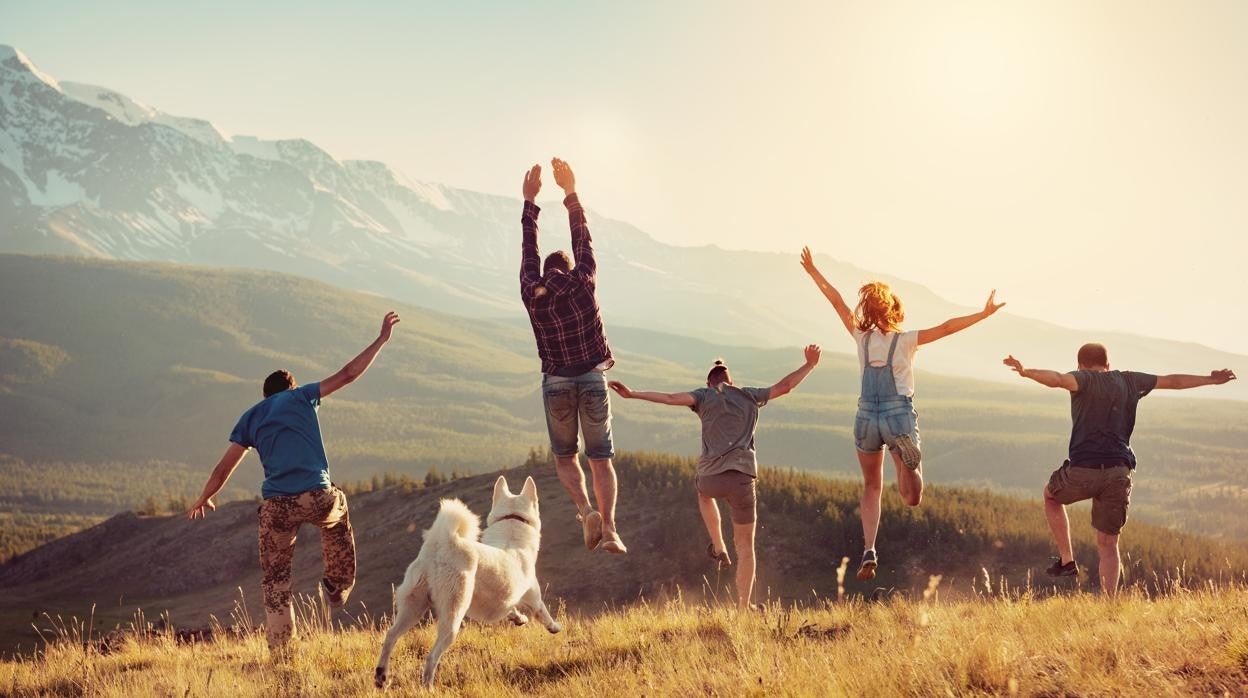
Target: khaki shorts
{"x": 735, "y": 487}
{"x": 1109, "y": 490}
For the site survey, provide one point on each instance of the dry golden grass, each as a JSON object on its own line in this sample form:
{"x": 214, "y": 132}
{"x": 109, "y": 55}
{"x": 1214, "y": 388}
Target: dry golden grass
{"x": 1186, "y": 642}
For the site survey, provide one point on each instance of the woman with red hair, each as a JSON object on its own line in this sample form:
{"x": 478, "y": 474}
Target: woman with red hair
{"x": 886, "y": 415}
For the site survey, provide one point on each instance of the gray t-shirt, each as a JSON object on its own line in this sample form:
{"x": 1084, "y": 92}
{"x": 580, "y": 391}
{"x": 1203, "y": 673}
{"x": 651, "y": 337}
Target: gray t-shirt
{"x": 729, "y": 416}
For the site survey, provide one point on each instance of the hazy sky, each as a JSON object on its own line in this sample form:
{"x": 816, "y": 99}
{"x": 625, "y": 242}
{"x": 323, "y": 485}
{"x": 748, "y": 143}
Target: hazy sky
{"x": 1089, "y": 159}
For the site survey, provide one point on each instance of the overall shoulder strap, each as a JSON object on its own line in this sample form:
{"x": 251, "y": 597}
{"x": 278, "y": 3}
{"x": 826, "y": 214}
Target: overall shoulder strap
{"x": 892, "y": 349}
{"x": 866, "y": 347}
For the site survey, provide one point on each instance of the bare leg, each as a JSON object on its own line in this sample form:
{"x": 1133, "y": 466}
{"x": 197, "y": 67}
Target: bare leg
{"x": 1111, "y": 566}
{"x": 1059, "y": 524}
{"x": 573, "y": 479}
{"x": 710, "y": 517}
{"x": 872, "y": 465}
{"x": 909, "y": 482}
{"x": 743, "y": 540}
{"x": 605, "y": 491}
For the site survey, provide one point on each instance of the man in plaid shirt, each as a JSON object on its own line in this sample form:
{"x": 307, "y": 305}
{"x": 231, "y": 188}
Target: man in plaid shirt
{"x": 563, "y": 309}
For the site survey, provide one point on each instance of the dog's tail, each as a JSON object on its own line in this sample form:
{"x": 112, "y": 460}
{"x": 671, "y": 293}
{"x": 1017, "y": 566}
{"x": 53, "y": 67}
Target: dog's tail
{"x": 455, "y": 523}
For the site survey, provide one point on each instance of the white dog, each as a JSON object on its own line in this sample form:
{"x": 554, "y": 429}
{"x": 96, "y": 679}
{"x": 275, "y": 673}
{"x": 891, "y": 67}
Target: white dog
{"x": 457, "y": 575}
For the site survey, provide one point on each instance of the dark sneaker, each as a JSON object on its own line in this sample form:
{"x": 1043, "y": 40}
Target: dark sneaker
{"x": 1057, "y": 569}
{"x": 867, "y": 569}
{"x": 721, "y": 559}
{"x": 908, "y": 451}
{"x": 335, "y": 598}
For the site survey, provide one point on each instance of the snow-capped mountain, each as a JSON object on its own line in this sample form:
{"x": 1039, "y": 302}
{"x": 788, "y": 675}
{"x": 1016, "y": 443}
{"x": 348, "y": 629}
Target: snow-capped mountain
{"x": 87, "y": 171}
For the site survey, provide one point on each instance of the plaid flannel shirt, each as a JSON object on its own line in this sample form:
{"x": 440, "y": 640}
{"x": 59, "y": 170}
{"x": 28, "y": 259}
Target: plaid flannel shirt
{"x": 565, "y": 316}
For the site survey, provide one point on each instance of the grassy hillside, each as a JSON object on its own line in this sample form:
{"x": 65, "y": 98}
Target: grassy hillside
{"x": 1189, "y": 643}
{"x": 139, "y": 371}
{"x": 192, "y": 570}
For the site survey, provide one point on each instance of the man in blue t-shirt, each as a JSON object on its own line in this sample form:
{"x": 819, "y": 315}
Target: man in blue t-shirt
{"x": 1100, "y": 461}
{"x": 284, "y": 429}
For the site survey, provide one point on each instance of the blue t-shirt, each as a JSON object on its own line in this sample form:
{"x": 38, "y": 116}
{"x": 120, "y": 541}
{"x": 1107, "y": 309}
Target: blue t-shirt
{"x": 284, "y": 430}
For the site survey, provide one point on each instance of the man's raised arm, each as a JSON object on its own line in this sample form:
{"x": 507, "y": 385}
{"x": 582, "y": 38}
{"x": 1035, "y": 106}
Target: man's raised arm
{"x": 791, "y": 381}
{"x": 530, "y": 263}
{"x": 582, "y": 245}
{"x": 681, "y": 399}
{"x": 1052, "y": 379}
{"x": 357, "y": 366}
{"x": 1181, "y": 381}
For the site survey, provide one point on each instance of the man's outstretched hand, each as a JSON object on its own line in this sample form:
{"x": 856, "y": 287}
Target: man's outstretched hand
{"x": 1014, "y": 364}
{"x": 532, "y": 183}
{"x": 387, "y": 325}
{"x": 813, "y": 352}
{"x": 564, "y": 177}
{"x": 620, "y": 388}
{"x": 1226, "y": 375}
{"x": 201, "y": 507}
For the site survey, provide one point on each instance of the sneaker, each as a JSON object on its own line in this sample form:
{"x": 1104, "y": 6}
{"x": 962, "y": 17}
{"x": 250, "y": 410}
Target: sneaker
{"x": 867, "y": 569}
{"x": 335, "y": 598}
{"x": 1057, "y": 569}
{"x": 908, "y": 451}
{"x": 591, "y": 525}
{"x": 611, "y": 543}
{"x": 721, "y": 559}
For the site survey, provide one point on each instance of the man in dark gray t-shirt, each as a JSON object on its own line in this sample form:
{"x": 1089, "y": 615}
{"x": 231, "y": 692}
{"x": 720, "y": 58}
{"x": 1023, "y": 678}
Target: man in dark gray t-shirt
{"x": 1100, "y": 460}
{"x": 728, "y": 465}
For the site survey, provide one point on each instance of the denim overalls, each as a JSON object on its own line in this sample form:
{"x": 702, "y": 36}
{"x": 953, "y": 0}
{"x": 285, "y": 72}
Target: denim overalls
{"x": 883, "y": 414}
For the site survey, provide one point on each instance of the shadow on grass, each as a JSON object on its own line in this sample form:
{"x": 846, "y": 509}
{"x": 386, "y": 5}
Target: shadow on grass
{"x": 532, "y": 676}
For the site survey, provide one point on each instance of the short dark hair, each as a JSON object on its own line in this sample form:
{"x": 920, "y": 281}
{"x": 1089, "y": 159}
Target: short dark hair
{"x": 1093, "y": 354}
{"x": 718, "y": 374}
{"x": 557, "y": 260}
{"x": 278, "y": 381}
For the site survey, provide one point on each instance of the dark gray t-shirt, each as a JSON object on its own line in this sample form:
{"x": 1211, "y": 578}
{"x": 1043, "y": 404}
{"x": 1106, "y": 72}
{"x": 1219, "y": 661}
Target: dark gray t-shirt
{"x": 729, "y": 416}
{"x": 1103, "y": 415}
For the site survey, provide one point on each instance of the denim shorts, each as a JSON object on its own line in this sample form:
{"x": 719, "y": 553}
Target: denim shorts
{"x": 879, "y": 423}
{"x": 578, "y": 404}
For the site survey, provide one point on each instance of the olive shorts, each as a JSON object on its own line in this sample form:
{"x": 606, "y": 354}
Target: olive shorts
{"x": 735, "y": 487}
{"x": 1109, "y": 489}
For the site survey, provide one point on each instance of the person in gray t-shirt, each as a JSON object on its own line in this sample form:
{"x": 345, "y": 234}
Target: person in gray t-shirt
{"x": 728, "y": 466}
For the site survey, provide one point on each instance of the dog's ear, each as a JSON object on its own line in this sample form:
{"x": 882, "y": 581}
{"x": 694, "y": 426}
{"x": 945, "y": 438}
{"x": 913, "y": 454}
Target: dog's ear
{"x": 501, "y": 488}
{"x": 530, "y": 489}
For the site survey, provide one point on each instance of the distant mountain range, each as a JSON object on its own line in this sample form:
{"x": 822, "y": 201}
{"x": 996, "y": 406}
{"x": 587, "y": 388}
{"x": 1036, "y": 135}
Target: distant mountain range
{"x": 89, "y": 172}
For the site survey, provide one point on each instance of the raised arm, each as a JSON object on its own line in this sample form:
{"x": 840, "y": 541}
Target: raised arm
{"x": 1181, "y": 381}
{"x": 357, "y": 366}
{"x": 1052, "y": 379}
{"x": 958, "y": 324}
{"x": 530, "y": 262}
{"x": 829, "y": 291}
{"x": 586, "y": 266}
{"x": 791, "y": 381}
{"x": 681, "y": 399}
{"x": 220, "y": 475}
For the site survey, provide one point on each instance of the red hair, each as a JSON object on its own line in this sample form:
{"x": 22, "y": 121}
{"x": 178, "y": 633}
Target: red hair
{"x": 878, "y": 308}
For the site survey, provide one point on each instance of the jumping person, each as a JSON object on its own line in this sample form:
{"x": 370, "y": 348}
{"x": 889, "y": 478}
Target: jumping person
{"x": 728, "y": 467}
{"x": 285, "y": 430}
{"x": 562, "y": 303}
{"x": 1100, "y": 460}
{"x": 886, "y": 415}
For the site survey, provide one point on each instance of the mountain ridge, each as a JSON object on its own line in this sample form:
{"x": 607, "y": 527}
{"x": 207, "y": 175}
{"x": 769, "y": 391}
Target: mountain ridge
{"x": 76, "y": 180}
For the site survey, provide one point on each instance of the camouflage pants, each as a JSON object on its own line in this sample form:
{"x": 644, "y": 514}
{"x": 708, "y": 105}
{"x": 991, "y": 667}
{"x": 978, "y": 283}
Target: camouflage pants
{"x": 280, "y": 519}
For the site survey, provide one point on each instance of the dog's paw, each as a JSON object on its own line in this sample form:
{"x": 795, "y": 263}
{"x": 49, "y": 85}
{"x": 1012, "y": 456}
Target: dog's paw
{"x": 518, "y": 619}
{"x": 554, "y": 628}
{"x": 380, "y": 678}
